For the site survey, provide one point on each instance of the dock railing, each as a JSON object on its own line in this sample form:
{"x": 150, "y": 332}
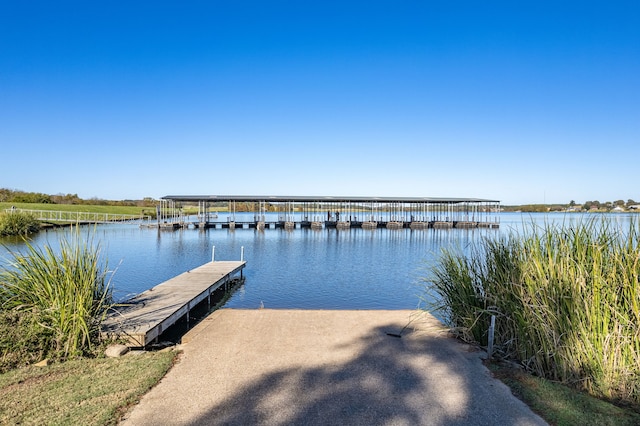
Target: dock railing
{"x": 77, "y": 217}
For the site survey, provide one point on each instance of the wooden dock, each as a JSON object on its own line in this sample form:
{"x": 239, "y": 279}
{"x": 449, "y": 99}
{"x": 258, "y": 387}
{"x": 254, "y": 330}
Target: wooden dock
{"x": 140, "y": 320}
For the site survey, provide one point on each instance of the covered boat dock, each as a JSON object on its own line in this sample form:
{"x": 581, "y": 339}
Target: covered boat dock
{"x": 320, "y": 212}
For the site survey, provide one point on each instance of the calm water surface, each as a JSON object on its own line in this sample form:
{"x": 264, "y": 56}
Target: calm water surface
{"x": 301, "y": 268}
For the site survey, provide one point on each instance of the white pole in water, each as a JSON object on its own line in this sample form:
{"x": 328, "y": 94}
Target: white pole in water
{"x": 242, "y": 254}
{"x": 213, "y": 254}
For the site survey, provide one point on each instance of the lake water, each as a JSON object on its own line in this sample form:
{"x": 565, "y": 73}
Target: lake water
{"x": 301, "y": 268}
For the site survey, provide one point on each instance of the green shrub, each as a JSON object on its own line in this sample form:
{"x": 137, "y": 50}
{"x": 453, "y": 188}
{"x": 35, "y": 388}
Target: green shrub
{"x": 566, "y": 299}
{"x": 67, "y": 292}
{"x": 24, "y": 339}
{"x": 18, "y": 223}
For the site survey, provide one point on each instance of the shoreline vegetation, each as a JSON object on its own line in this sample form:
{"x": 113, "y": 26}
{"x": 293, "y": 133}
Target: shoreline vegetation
{"x": 52, "y": 302}
{"x": 52, "y": 364}
{"x": 565, "y": 300}
{"x": 18, "y": 223}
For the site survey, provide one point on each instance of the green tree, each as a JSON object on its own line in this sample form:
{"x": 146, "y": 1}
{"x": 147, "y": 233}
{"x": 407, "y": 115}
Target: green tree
{"x": 29, "y": 197}
{"x": 5, "y": 194}
{"x": 67, "y": 199}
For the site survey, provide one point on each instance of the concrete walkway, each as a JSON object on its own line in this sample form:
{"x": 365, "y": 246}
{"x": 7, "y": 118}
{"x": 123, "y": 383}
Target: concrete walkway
{"x": 299, "y": 367}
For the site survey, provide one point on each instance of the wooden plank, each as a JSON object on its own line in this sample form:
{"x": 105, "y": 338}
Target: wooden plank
{"x": 143, "y": 318}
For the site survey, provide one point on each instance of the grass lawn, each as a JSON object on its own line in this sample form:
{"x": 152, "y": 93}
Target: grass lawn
{"x": 80, "y": 392}
{"x": 78, "y": 208}
{"x": 560, "y": 405}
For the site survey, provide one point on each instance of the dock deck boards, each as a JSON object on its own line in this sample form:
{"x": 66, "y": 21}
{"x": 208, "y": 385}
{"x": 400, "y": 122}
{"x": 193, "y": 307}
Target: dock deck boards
{"x": 143, "y": 318}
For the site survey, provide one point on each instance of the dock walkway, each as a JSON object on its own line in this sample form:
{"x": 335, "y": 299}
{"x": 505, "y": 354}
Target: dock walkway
{"x": 79, "y": 217}
{"x": 143, "y": 318}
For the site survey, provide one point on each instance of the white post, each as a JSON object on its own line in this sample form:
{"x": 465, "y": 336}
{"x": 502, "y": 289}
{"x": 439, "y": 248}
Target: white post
{"x": 213, "y": 254}
{"x": 242, "y": 254}
{"x": 492, "y": 328}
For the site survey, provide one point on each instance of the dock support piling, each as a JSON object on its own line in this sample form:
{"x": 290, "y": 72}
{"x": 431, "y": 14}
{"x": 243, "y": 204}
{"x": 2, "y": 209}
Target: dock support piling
{"x": 213, "y": 254}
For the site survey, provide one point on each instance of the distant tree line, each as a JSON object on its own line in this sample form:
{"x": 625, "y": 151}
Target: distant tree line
{"x": 10, "y": 196}
{"x": 14, "y": 196}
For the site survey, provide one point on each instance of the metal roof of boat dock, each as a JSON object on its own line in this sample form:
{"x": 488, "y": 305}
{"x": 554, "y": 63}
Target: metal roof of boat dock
{"x": 325, "y": 199}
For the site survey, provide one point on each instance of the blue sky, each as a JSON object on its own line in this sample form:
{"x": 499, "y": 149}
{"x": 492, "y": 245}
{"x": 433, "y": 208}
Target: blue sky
{"x": 524, "y": 102}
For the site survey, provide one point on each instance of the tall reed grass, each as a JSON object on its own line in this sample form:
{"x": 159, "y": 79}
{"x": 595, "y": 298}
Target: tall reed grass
{"x": 18, "y": 223}
{"x": 67, "y": 291}
{"x": 566, "y": 298}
